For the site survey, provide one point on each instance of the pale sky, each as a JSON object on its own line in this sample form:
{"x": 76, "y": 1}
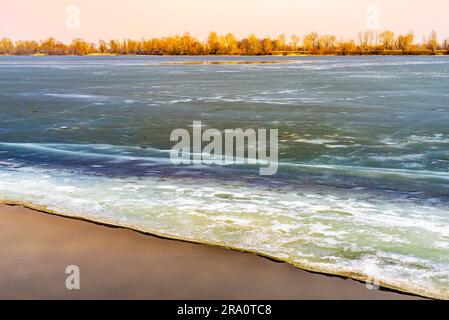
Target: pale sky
{"x": 107, "y": 19}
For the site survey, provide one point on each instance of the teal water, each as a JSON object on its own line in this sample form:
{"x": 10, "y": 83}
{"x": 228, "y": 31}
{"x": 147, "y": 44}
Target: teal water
{"x": 362, "y": 187}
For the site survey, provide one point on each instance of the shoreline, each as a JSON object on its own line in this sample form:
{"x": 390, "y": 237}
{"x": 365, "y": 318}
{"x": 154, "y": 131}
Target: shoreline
{"x": 230, "y": 56}
{"x": 32, "y": 233}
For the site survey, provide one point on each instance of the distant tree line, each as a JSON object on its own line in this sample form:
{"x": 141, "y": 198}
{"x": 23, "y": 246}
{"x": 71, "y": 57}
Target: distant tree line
{"x": 368, "y": 43}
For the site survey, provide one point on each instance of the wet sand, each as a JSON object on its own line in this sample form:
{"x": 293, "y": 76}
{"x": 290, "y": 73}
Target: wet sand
{"x": 116, "y": 263}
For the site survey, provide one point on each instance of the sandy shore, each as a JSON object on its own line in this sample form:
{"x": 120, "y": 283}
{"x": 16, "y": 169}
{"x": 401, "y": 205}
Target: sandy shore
{"x": 115, "y": 263}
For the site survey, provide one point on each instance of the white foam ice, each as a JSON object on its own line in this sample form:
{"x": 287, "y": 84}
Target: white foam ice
{"x": 319, "y": 228}
{"x": 315, "y": 141}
